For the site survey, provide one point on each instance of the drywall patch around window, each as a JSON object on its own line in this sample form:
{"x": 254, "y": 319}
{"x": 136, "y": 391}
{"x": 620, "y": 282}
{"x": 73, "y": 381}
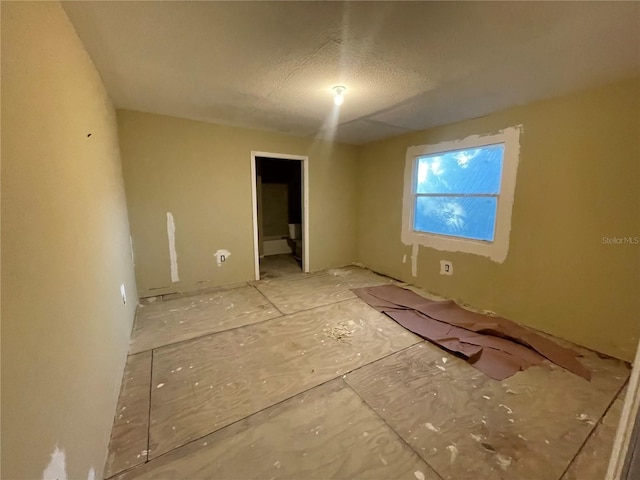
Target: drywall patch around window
{"x": 222, "y": 256}
{"x": 496, "y": 249}
{"x": 173, "y": 256}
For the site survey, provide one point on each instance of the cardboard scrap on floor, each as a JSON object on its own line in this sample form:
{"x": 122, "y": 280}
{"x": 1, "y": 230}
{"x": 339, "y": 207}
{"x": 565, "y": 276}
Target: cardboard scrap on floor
{"x": 494, "y": 345}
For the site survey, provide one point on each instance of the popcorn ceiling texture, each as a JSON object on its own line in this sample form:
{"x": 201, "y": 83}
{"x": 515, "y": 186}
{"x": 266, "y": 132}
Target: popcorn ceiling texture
{"x": 407, "y": 65}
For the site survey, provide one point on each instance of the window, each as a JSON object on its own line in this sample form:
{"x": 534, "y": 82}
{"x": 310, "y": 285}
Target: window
{"x": 456, "y": 192}
{"x": 458, "y": 195}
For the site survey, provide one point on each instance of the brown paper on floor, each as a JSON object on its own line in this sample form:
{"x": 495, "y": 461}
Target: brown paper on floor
{"x": 494, "y": 345}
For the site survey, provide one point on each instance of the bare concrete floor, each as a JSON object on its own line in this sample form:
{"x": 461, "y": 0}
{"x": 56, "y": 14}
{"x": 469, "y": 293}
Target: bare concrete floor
{"x": 295, "y": 377}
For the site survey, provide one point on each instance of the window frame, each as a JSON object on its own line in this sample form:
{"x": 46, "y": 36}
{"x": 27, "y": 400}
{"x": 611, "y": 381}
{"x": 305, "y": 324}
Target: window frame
{"x": 497, "y": 249}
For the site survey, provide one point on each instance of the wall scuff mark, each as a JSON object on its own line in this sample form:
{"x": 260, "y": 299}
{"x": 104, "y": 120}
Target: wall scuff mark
{"x": 173, "y": 256}
{"x": 222, "y": 256}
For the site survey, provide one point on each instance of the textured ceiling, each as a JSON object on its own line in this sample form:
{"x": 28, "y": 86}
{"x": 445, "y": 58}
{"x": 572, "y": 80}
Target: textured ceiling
{"x": 406, "y": 65}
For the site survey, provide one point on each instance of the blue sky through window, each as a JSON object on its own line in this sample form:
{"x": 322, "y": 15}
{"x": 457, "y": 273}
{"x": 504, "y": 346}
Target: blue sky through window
{"x": 456, "y": 192}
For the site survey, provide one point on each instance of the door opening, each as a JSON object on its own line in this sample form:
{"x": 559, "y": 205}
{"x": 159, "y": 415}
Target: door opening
{"x": 280, "y": 214}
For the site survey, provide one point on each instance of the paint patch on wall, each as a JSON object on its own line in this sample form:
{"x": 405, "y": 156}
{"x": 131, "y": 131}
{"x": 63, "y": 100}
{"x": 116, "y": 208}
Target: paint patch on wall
{"x": 173, "y": 256}
{"x": 222, "y": 256}
{"x": 404, "y": 258}
{"x": 57, "y": 468}
{"x": 414, "y": 259}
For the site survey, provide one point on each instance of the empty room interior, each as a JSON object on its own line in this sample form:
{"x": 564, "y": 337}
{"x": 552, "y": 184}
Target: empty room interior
{"x": 348, "y": 240}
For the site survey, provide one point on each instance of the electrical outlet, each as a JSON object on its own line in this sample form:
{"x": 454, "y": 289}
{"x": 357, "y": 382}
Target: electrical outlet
{"x": 123, "y": 292}
{"x": 446, "y": 267}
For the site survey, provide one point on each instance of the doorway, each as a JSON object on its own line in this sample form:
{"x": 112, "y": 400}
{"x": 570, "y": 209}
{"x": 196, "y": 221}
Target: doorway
{"x": 280, "y": 214}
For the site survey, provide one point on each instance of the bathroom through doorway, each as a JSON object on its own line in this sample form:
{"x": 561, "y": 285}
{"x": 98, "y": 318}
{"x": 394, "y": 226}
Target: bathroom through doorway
{"x": 280, "y": 214}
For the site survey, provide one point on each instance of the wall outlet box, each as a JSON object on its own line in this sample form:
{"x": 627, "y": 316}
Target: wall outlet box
{"x": 446, "y": 267}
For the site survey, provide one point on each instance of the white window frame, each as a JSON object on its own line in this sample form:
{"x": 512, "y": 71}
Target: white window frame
{"x": 496, "y": 250}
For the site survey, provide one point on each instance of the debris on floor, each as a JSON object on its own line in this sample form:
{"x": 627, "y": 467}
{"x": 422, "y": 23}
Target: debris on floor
{"x": 340, "y": 332}
{"x": 494, "y": 345}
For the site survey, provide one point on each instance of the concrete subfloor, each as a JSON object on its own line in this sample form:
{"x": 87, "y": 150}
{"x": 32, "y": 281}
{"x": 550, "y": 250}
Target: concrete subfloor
{"x": 295, "y": 377}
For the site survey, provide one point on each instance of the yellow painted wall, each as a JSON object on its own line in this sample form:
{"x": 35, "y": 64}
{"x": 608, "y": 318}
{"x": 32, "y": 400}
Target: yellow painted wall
{"x": 578, "y": 181}
{"x": 275, "y": 205}
{"x": 65, "y": 249}
{"x": 201, "y": 173}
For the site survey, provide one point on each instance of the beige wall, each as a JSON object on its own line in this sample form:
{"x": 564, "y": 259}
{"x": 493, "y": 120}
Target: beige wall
{"x": 275, "y": 209}
{"x": 201, "y": 173}
{"x": 65, "y": 249}
{"x": 577, "y": 182}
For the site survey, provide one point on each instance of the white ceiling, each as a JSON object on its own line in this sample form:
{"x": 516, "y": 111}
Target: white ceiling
{"x": 407, "y": 66}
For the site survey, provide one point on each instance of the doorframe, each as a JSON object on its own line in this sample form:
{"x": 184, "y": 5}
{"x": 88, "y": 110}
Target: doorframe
{"x": 305, "y": 205}
{"x": 627, "y": 424}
